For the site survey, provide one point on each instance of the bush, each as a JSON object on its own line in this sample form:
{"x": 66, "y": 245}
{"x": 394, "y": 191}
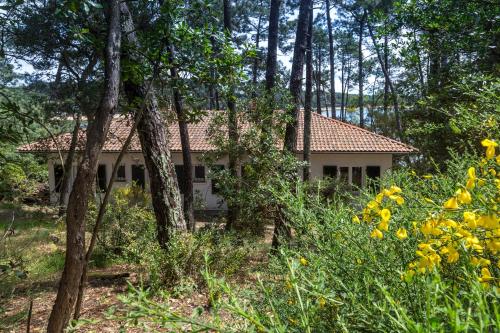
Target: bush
{"x": 380, "y": 275}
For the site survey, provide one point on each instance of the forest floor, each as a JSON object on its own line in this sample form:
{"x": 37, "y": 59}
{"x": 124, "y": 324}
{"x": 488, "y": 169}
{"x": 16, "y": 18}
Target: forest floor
{"x": 38, "y": 239}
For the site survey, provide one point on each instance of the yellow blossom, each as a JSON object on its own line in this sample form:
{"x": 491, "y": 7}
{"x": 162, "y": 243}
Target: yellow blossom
{"x": 485, "y": 275}
{"x": 321, "y": 302}
{"x": 383, "y": 225}
{"x": 385, "y": 214}
{"x": 464, "y": 196}
{"x": 400, "y": 200}
{"x": 377, "y": 234}
{"x": 401, "y": 233}
{"x": 428, "y": 176}
{"x": 470, "y": 219}
{"x": 303, "y": 261}
{"x": 490, "y": 148}
{"x": 452, "y": 203}
{"x": 355, "y": 219}
{"x": 395, "y": 189}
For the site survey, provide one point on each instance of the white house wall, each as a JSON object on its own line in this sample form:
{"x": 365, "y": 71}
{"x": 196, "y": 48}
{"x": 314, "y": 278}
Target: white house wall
{"x": 203, "y": 190}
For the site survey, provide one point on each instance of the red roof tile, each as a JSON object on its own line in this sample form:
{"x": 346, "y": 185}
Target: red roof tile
{"x": 327, "y": 135}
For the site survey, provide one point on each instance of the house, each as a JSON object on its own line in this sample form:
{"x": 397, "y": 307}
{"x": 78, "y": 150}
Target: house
{"x": 338, "y": 150}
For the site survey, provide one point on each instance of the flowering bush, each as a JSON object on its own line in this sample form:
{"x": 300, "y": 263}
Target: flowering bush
{"x": 465, "y": 225}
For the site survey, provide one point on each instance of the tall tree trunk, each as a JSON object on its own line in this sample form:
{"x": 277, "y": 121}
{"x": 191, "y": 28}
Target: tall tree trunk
{"x": 256, "y": 60}
{"x": 386, "y": 83}
{"x": 296, "y": 73}
{"x": 308, "y": 101}
{"x": 360, "y": 70}
{"x": 188, "y": 206}
{"x": 78, "y": 199}
{"x": 233, "y": 209}
{"x": 387, "y": 77}
{"x": 281, "y": 229}
{"x": 68, "y": 163}
{"x": 152, "y": 134}
{"x": 342, "y": 102}
{"x": 272, "y": 44}
{"x": 318, "y": 82}
{"x": 333, "y": 97}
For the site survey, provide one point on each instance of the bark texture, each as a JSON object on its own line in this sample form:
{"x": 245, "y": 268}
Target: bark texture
{"x": 152, "y": 134}
{"x": 360, "y": 70}
{"x": 331, "y": 58}
{"x": 272, "y": 44}
{"x": 296, "y": 74}
{"x": 82, "y": 188}
{"x": 308, "y": 101}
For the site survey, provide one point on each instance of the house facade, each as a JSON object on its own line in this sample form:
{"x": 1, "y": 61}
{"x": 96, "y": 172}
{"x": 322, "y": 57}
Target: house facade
{"x": 338, "y": 150}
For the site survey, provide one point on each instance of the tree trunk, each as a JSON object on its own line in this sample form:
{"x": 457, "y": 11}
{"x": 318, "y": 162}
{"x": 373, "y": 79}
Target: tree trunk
{"x": 272, "y": 44}
{"x": 318, "y": 82}
{"x": 399, "y": 126}
{"x": 232, "y": 209}
{"x": 78, "y": 199}
{"x": 360, "y": 70}
{"x": 188, "y": 206}
{"x": 296, "y": 73}
{"x": 333, "y": 97}
{"x": 152, "y": 134}
{"x": 342, "y": 102}
{"x": 68, "y": 163}
{"x": 281, "y": 229}
{"x": 308, "y": 101}
{"x": 256, "y": 60}
{"x": 386, "y": 84}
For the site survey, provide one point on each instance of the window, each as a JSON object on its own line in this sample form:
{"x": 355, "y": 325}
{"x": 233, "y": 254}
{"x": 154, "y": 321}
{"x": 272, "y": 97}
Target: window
{"x": 181, "y": 178}
{"x": 138, "y": 175}
{"x": 120, "y": 174}
{"x": 216, "y": 169}
{"x": 199, "y": 174}
{"x": 357, "y": 176}
{"x": 372, "y": 175}
{"x": 101, "y": 178}
{"x": 344, "y": 175}
{"x": 330, "y": 171}
{"x": 58, "y": 176}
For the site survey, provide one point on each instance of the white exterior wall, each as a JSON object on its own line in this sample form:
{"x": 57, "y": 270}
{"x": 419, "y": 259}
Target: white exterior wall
{"x": 203, "y": 190}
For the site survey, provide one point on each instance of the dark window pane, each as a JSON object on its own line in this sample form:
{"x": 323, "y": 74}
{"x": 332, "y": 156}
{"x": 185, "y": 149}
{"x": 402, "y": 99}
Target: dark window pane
{"x": 344, "y": 174}
{"x": 120, "y": 174}
{"x": 199, "y": 173}
{"x": 101, "y": 178}
{"x": 357, "y": 177}
{"x": 181, "y": 178}
{"x": 138, "y": 175}
{"x": 58, "y": 176}
{"x": 330, "y": 171}
{"x": 372, "y": 176}
{"x": 216, "y": 168}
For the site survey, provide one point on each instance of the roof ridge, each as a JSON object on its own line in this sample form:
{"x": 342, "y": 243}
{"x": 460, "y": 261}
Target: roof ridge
{"x": 340, "y": 122}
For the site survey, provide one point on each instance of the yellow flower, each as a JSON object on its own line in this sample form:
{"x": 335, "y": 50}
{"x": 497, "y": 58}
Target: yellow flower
{"x": 402, "y": 233}
{"x": 471, "y": 172}
{"x": 355, "y": 219}
{"x": 377, "y": 234}
{"x": 385, "y": 214}
{"x": 303, "y": 261}
{"x": 490, "y": 148}
{"x": 372, "y": 204}
{"x": 498, "y": 159}
{"x": 481, "y": 182}
{"x": 400, "y": 200}
{"x": 379, "y": 197}
{"x": 428, "y": 176}
{"x": 395, "y": 189}
{"x": 383, "y": 225}
{"x": 485, "y": 275}
{"x": 451, "y": 253}
{"x": 470, "y": 219}
{"x": 464, "y": 196}
{"x": 452, "y": 203}
{"x": 321, "y": 302}
{"x": 470, "y": 184}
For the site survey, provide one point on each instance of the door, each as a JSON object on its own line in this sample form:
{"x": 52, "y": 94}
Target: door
{"x": 138, "y": 175}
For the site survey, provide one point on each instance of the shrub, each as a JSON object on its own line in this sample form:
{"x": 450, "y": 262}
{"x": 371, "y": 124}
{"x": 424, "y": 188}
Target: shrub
{"x": 335, "y": 277}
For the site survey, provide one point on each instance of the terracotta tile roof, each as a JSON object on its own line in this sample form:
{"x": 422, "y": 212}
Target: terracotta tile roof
{"x": 328, "y": 135}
